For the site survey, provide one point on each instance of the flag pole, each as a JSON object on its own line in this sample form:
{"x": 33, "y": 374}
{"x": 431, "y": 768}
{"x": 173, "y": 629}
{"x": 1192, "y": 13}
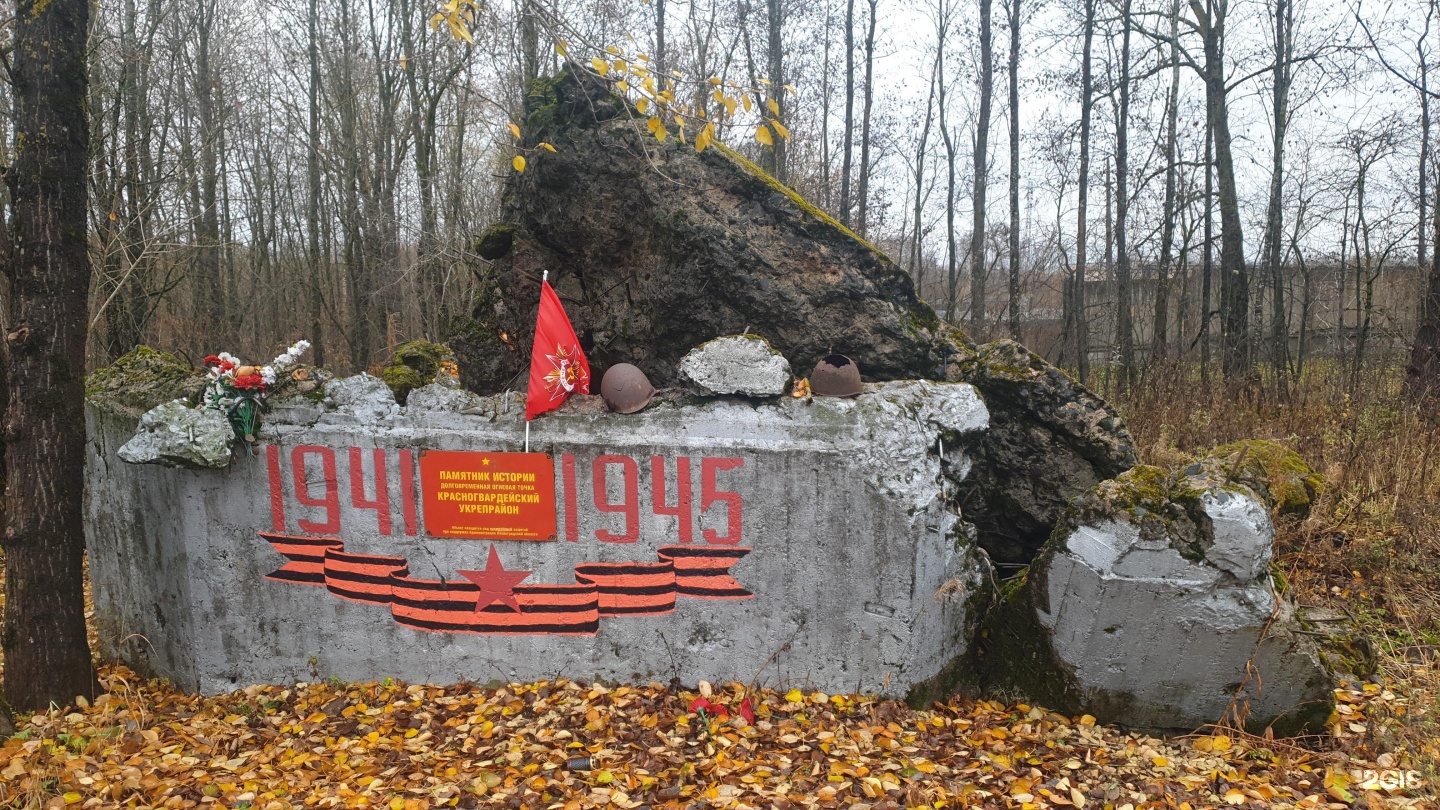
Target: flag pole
{"x": 544, "y": 277}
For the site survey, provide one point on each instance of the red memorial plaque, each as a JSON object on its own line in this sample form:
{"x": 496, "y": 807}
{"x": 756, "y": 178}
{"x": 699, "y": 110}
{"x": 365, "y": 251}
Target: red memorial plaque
{"x": 493, "y": 496}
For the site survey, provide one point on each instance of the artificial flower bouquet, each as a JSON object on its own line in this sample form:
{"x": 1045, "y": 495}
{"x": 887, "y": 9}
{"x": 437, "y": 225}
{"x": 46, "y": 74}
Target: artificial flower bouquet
{"x": 238, "y": 390}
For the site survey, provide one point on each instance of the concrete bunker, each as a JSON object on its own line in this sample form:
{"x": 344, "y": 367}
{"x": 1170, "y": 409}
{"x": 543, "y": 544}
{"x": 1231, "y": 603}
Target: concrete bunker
{"x": 802, "y": 539}
{"x": 868, "y": 528}
{"x": 703, "y": 538}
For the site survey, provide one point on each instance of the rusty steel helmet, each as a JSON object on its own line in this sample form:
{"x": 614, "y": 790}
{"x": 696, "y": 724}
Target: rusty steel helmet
{"x": 836, "y": 376}
{"x": 625, "y": 388}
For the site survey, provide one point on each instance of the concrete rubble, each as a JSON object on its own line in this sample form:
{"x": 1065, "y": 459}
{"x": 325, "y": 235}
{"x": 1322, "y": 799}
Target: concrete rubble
{"x": 649, "y": 268}
{"x": 736, "y": 364}
{"x": 1145, "y": 606}
{"x": 1150, "y": 605}
{"x": 366, "y": 398}
{"x": 178, "y": 435}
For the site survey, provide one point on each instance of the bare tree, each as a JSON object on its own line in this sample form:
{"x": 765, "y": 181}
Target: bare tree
{"x": 849, "y": 142}
{"x": 952, "y": 259}
{"x": 1283, "y": 14}
{"x": 978, "y": 270}
{"x": 921, "y": 150}
{"x": 863, "y": 193}
{"x": 1077, "y": 326}
{"x": 1013, "y": 317}
{"x": 775, "y": 153}
{"x": 1169, "y": 213}
{"x": 1124, "y": 300}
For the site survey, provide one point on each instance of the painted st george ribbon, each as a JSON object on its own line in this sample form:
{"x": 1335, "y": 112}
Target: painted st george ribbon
{"x": 448, "y": 606}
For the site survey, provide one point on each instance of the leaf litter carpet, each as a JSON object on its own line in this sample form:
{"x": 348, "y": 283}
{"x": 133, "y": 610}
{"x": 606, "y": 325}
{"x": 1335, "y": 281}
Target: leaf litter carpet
{"x": 563, "y": 744}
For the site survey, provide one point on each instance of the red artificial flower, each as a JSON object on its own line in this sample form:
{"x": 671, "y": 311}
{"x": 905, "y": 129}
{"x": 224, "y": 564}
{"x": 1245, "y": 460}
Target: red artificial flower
{"x": 211, "y": 360}
{"x": 226, "y": 365}
{"x": 700, "y": 704}
{"x": 249, "y": 381}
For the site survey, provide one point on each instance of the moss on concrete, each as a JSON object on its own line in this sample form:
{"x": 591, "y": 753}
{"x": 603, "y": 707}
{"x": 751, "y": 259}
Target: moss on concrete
{"x": 1163, "y": 506}
{"x": 1001, "y": 361}
{"x": 1275, "y": 472}
{"x": 792, "y": 195}
{"x": 416, "y": 364}
{"x": 963, "y": 674}
{"x": 142, "y": 379}
{"x": 495, "y": 242}
{"x": 1014, "y": 653}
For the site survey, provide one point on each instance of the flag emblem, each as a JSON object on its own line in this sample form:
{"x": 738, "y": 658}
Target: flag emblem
{"x": 565, "y": 375}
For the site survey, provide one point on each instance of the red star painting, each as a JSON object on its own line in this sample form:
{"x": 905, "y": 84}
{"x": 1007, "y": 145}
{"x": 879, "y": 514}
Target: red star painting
{"x": 496, "y": 583}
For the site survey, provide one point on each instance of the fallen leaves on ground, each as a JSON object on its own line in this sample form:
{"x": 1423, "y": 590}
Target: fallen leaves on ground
{"x": 563, "y": 744}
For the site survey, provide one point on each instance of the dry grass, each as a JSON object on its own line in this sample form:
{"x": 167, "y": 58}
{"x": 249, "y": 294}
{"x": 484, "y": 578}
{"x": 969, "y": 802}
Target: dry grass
{"x": 1371, "y": 546}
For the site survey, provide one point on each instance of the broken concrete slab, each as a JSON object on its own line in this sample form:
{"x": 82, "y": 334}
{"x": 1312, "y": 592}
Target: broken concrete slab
{"x": 648, "y": 268}
{"x": 736, "y": 364}
{"x": 178, "y": 435}
{"x": 366, "y": 398}
{"x": 1050, "y": 440}
{"x": 1149, "y": 607}
{"x": 835, "y": 520}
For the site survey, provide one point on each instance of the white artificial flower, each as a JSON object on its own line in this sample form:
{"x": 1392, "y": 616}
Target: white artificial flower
{"x": 291, "y": 354}
{"x": 268, "y": 375}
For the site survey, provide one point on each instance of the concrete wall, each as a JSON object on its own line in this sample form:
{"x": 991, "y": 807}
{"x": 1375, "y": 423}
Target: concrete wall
{"x": 842, "y": 505}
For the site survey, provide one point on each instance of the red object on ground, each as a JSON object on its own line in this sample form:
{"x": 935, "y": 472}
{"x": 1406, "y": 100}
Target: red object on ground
{"x": 557, "y": 366}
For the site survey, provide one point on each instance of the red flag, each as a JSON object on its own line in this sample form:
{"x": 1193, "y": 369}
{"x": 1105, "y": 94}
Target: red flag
{"x": 557, "y": 366}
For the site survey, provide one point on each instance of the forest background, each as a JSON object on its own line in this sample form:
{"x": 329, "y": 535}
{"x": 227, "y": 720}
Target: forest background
{"x": 263, "y": 172}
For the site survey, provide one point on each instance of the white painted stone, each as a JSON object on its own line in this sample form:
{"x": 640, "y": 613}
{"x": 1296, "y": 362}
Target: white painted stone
{"x": 364, "y": 397}
{"x": 737, "y": 364}
{"x": 1244, "y": 534}
{"x": 442, "y": 396}
{"x": 1167, "y": 639}
{"x": 175, "y": 434}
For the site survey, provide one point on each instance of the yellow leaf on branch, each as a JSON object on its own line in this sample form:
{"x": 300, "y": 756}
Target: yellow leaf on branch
{"x": 762, "y": 134}
{"x": 518, "y": 163}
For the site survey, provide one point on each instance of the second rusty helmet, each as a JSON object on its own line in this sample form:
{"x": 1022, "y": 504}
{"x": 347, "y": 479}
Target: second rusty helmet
{"x": 836, "y": 376}
{"x": 625, "y": 388}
